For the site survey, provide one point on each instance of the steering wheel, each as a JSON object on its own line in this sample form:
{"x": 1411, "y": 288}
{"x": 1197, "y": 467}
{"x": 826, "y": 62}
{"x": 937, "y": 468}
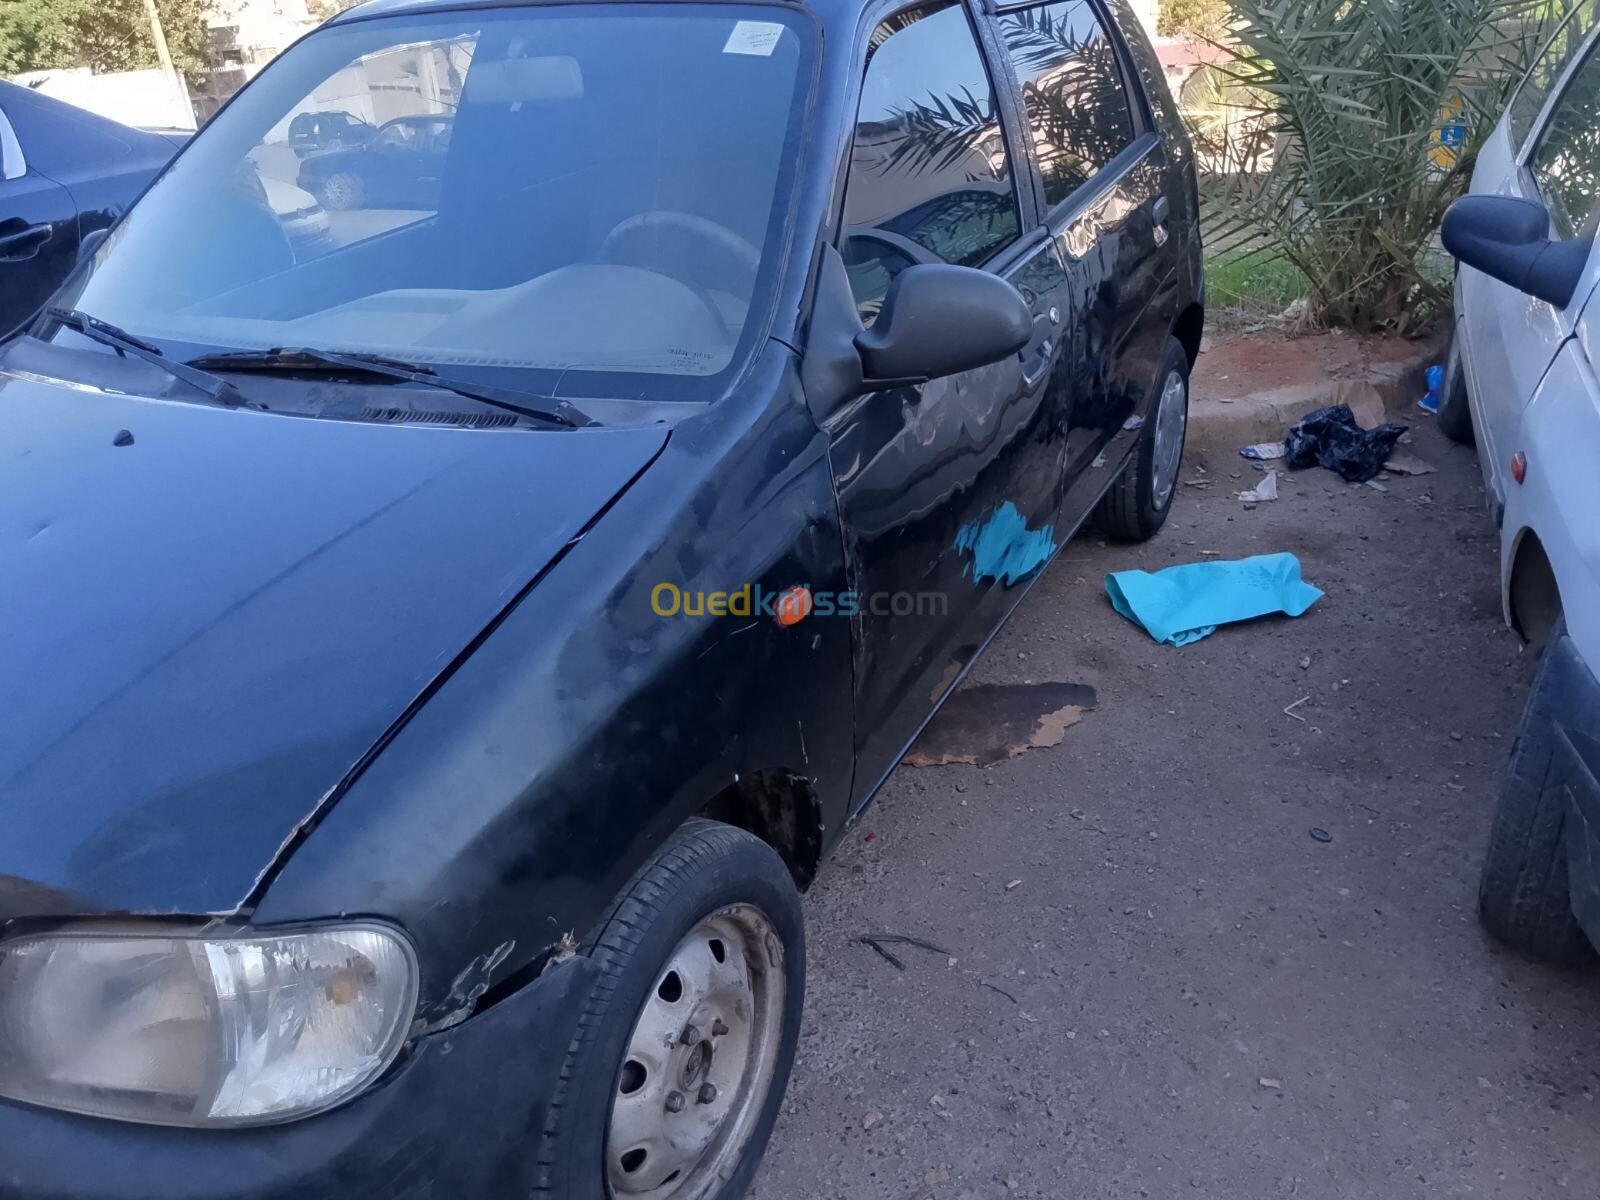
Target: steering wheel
{"x": 724, "y": 241}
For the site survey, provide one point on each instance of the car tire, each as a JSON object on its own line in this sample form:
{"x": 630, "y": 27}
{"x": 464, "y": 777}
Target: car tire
{"x": 1137, "y": 504}
{"x": 340, "y": 191}
{"x": 713, "y": 903}
{"x": 1455, "y": 411}
{"x": 1522, "y": 896}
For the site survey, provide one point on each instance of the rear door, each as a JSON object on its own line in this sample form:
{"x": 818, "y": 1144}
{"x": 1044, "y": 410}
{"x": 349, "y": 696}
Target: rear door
{"x": 38, "y": 232}
{"x": 401, "y": 166}
{"x": 1100, "y": 172}
{"x": 948, "y": 491}
{"x": 433, "y": 145}
{"x": 82, "y": 172}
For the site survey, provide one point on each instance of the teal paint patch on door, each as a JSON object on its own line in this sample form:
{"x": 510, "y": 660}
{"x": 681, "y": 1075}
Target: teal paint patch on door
{"x": 1003, "y": 547}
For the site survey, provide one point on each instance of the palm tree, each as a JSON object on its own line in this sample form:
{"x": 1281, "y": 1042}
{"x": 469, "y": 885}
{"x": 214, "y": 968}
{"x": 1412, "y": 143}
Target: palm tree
{"x": 1378, "y": 108}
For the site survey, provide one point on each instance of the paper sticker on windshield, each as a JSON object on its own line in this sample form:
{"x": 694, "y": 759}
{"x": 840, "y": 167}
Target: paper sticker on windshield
{"x": 753, "y": 37}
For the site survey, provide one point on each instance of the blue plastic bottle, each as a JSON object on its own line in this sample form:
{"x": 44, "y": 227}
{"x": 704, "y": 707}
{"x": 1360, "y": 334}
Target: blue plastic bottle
{"x": 1430, "y": 402}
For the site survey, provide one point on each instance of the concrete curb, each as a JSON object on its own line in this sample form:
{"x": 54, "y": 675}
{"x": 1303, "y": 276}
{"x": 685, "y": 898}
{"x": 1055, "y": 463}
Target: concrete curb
{"x": 1391, "y": 387}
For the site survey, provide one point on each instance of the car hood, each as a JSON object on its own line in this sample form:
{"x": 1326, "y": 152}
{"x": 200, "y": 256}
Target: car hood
{"x": 204, "y": 629}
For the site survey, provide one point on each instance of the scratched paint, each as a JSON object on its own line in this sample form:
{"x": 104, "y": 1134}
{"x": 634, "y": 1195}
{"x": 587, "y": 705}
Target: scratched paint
{"x": 1003, "y": 547}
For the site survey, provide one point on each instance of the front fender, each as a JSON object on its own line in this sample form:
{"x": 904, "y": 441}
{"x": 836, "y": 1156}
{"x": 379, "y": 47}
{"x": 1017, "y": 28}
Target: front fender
{"x": 585, "y": 728}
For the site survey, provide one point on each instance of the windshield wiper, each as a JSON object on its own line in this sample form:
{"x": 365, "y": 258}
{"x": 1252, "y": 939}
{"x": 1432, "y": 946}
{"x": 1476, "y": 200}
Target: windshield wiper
{"x": 124, "y": 342}
{"x": 304, "y": 358}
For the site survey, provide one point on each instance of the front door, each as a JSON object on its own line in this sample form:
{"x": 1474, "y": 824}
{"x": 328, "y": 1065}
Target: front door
{"x": 948, "y": 491}
{"x": 398, "y": 170}
{"x": 1517, "y": 335}
{"x": 1103, "y": 173}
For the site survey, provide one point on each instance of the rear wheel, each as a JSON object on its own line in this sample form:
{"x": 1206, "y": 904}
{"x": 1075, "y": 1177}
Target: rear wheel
{"x": 1455, "y": 413}
{"x": 1522, "y": 896}
{"x": 673, "y": 1083}
{"x": 1138, "y": 502}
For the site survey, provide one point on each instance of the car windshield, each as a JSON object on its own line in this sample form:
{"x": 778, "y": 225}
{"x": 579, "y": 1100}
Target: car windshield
{"x": 579, "y": 200}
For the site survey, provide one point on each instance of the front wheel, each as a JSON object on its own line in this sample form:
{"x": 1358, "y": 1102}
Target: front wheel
{"x": 1523, "y": 897}
{"x": 674, "y": 1080}
{"x": 1455, "y": 413}
{"x": 1138, "y": 502}
{"x": 341, "y": 191}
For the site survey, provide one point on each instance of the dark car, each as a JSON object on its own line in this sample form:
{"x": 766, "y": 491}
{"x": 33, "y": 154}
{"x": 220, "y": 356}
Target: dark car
{"x": 64, "y": 174}
{"x": 435, "y": 667}
{"x": 399, "y": 166}
{"x": 311, "y": 132}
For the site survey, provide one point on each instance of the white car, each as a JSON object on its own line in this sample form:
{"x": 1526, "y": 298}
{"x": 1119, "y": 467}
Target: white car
{"x": 304, "y": 220}
{"x": 1522, "y": 378}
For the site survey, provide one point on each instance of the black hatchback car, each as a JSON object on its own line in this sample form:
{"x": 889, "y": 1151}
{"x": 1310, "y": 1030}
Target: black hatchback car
{"x": 399, "y": 166}
{"x": 434, "y": 666}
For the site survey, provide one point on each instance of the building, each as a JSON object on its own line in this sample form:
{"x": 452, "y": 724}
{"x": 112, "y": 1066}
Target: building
{"x": 242, "y": 37}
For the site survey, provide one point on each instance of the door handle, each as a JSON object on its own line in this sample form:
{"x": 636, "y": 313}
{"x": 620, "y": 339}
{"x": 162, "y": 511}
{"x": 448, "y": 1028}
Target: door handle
{"x": 1160, "y": 213}
{"x": 1037, "y": 364}
{"x": 25, "y": 242}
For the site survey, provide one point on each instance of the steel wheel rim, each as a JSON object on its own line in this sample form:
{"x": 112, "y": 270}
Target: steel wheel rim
{"x": 1172, "y": 421}
{"x": 339, "y": 192}
{"x": 713, "y": 1019}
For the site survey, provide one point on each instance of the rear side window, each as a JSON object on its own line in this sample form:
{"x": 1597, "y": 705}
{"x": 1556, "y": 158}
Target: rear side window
{"x": 1526, "y": 105}
{"x": 930, "y": 180}
{"x": 12, "y": 164}
{"x": 1072, "y": 90}
{"x": 1566, "y": 165}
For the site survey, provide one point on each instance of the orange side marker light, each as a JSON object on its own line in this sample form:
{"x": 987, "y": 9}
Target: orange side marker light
{"x": 794, "y": 605}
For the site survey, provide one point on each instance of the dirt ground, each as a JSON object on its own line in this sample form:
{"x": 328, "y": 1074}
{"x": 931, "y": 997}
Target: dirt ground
{"x": 1164, "y": 984}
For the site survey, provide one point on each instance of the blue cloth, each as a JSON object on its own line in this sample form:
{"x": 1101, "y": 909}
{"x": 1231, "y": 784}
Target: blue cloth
{"x": 1183, "y": 604}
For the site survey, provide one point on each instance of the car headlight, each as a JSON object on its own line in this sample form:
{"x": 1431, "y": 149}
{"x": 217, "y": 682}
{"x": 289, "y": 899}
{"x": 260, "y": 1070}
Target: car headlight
{"x": 209, "y": 1029}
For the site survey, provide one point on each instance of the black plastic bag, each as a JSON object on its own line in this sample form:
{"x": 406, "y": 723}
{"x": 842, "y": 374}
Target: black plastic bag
{"x": 1331, "y": 438}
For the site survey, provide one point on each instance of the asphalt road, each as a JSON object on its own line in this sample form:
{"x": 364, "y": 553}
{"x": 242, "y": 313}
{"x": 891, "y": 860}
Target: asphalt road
{"x": 1209, "y": 1001}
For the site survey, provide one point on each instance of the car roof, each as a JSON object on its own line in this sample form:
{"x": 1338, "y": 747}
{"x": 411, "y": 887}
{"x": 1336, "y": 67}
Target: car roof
{"x": 14, "y": 96}
{"x": 827, "y": 10}
{"x": 56, "y": 134}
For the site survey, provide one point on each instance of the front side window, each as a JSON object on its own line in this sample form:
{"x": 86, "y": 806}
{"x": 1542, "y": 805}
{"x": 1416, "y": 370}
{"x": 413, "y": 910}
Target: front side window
{"x": 1077, "y": 108}
{"x": 587, "y": 198}
{"x": 1535, "y": 89}
{"x": 1566, "y": 164}
{"x": 930, "y": 180}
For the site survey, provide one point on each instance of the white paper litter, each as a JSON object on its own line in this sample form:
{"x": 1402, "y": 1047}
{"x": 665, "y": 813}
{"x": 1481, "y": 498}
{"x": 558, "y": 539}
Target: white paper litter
{"x": 1265, "y": 451}
{"x": 1267, "y": 489}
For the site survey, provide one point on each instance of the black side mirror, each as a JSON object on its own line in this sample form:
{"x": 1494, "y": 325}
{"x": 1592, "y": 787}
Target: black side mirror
{"x": 939, "y": 320}
{"x": 1509, "y": 239}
